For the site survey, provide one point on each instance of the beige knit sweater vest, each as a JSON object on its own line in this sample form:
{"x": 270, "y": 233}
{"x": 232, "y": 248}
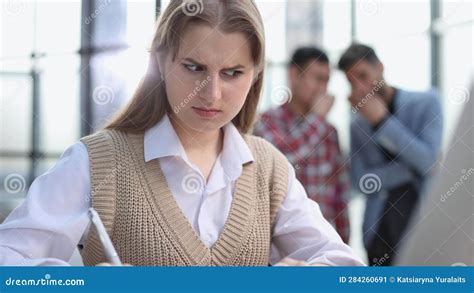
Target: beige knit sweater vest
{"x": 148, "y": 228}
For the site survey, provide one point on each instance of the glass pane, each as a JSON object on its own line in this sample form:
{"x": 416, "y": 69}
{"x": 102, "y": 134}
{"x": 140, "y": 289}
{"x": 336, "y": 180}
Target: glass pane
{"x": 457, "y": 31}
{"x": 15, "y": 113}
{"x": 16, "y": 28}
{"x": 58, "y": 26}
{"x": 399, "y": 44}
{"x": 13, "y": 184}
{"x": 109, "y": 20}
{"x": 117, "y": 74}
{"x": 140, "y": 23}
{"x": 17, "y": 65}
{"x": 457, "y": 68}
{"x": 336, "y": 24}
{"x": 407, "y": 66}
{"x": 339, "y": 116}
{"x": 378, "y": 20}
{"x": 274, "y": 87}
{"x": 336, "y": 38}
{"x": 275, "y": 22}
{"x": 457, "y": 11}
{"x": 110, "y": 87}
{"x": 274, "y": 15}
{"x": 59, "y": 103}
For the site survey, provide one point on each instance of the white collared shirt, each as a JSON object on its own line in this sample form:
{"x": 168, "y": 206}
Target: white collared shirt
{"x": 52, "y": 220}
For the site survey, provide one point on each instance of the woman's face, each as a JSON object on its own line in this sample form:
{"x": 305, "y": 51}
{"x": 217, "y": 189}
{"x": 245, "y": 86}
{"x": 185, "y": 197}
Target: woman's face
{"x": 209, "y": 80}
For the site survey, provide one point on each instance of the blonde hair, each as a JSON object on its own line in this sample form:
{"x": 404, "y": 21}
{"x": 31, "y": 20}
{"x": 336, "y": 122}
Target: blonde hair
{"x": 150, "y": 103}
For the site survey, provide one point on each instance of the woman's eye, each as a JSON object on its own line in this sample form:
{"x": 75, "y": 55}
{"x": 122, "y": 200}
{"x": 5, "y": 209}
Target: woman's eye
{"x": 193, "y": 67}
{"x": 232, "y": 73}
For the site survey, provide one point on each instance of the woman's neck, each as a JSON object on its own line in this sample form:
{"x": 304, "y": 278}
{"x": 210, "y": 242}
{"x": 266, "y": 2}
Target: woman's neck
{"x": 206, "y": 143}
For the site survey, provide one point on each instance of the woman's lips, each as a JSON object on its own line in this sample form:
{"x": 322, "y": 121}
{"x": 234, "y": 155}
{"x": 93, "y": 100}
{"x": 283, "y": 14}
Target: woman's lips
{"x": 206, "y": 113}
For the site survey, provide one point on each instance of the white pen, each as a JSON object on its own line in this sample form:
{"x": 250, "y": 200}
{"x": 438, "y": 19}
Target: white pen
{"x": 109, "y": 249}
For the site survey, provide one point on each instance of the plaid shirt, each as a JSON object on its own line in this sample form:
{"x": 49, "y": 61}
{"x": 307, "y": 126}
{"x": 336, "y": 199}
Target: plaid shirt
{"x": 311, "y": 145}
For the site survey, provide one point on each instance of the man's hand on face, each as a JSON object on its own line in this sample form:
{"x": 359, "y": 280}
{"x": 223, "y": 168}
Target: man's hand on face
{"x": 323, "y": 105}
{"x": 370, "y": 106}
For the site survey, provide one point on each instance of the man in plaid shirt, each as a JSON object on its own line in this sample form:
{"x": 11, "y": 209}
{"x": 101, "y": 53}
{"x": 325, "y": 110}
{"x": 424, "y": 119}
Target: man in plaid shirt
{"x": 300, "y": 131}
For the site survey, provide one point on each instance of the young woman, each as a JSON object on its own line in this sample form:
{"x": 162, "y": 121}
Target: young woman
{"x": 175, "y": 178}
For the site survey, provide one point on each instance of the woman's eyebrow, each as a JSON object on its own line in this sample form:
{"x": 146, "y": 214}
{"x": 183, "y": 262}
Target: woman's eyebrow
{"x": 238, "y": 66}
{"x": 193, "y": 61}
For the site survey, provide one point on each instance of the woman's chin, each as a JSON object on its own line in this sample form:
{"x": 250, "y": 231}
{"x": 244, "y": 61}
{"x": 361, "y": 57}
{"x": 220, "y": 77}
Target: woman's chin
{"x": 200, "y": 125}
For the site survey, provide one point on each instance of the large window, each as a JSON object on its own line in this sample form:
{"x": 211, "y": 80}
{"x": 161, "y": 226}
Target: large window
{"x": 456, "y": 30}
{"x": 65, "y": 67}
{"x": 39, "y": 96}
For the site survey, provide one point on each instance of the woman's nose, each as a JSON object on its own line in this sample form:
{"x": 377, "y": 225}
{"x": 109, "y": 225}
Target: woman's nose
{"x": 211, "y": 91}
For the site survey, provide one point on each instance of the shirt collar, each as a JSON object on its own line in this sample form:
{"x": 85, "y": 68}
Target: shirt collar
{"x": 161, "y": 141}
{"x": 235, "y": 152}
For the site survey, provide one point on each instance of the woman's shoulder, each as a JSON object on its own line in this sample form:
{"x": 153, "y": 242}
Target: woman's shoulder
{"x": 263, "y": 150}
{"x": 257, "y": 142}
{"x": 76, "y": 152}
{"x": 110, "y": 139}
{"x": 100, "y": 135}
{"x": 71, "y": 169}
{"x": 272, "y": 168}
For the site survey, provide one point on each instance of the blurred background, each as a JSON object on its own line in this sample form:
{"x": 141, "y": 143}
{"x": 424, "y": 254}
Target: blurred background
{"x": 67, "y": 66}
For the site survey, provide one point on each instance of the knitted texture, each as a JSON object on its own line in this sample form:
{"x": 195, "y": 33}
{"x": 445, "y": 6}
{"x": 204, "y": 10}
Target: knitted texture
{"x": 148, "y": 228}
